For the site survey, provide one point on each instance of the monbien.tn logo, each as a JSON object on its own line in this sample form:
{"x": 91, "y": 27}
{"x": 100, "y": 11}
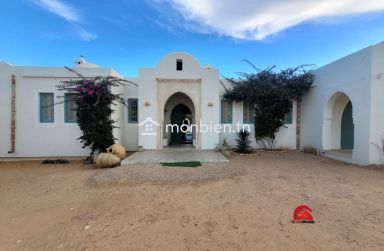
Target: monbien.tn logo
{"x": 150, "y": 126}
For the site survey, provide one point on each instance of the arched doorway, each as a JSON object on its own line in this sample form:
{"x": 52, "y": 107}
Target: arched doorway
{"x": 178, "y": 110}
{"x": 338, "y": 126}
{"x": 179, "y": 116}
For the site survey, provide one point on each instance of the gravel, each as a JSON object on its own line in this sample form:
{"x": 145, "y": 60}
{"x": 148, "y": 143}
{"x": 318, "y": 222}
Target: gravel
{"x": 157, "y": 174}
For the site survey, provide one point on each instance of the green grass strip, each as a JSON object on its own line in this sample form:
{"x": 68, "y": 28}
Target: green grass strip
{"x": 183, "y": 164}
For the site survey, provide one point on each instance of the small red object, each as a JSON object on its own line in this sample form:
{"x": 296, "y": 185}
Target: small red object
{"x": 303, "y": 214}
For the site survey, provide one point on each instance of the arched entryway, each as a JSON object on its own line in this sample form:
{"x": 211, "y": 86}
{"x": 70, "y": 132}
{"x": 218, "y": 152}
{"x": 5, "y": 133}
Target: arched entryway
{"x": 178, "y": 110}
{"x": 181, "y": 115}
{"x": 338, "y": 126}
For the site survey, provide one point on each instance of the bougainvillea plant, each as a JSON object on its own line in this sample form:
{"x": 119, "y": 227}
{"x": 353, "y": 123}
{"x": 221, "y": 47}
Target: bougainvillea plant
{"x": 272, "y": 94}
{"x": 94, "y": 101}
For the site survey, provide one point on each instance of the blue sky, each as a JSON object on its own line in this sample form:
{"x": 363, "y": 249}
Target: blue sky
{"x": 126, "y": 35}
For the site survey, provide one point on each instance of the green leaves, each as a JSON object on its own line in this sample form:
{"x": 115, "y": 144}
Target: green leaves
{"x": 272, "y": 93}
{"x": 182, "y": 164}
{"x": 243, "y": 141}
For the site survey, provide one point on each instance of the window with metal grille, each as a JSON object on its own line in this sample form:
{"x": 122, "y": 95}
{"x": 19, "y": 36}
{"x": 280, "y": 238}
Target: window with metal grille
{"x": 179, "y": 65}
{"x": 248, "y": 113}
{"x": 70, "y": 106}
{"x": 46, "y": 108}
{"x": 132, "y": 110}
{"x": 226, "y": 111}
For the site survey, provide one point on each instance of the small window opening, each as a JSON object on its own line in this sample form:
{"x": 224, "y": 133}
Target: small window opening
{"x": 179, "y": 65}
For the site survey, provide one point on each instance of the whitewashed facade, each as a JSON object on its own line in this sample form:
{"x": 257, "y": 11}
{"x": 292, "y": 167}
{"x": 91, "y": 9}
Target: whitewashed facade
{"x": 358, "y": 79}
{"x": 179, "y": 87}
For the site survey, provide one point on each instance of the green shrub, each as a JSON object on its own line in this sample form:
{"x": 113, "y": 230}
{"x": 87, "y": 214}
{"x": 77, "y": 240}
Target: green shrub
{"x": 182, "y": 164}
{"x": 243, "y": 141}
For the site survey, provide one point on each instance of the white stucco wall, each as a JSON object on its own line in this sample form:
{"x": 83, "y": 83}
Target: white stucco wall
{"x": 118, "y": 108}
{"x": 130, "y": 131}
{"x": 376, "y": 151}
{"x": 210, "y": 114}
{"x": 355, "y": 76}
{"x": 147, "y": 94}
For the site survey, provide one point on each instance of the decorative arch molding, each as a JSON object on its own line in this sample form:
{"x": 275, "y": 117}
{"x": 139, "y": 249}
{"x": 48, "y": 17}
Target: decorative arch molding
{"x": 182, "y": 91}
{"x": 179, "y": 80}
{"x": 170, "y": 107}
{"x": 188, "y": 103}
{"x": 165, "y": 91}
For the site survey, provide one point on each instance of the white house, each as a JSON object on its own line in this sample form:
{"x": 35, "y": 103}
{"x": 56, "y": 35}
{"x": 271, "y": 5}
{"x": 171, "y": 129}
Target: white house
{"x": 342, "y": 115}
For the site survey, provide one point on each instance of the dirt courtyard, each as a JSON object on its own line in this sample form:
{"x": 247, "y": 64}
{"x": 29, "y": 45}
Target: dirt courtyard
{"x": 52, "y": 207}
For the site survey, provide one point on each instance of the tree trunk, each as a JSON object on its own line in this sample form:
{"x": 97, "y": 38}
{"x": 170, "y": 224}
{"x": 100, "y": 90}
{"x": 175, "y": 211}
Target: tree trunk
{"x": 298, "y": 116}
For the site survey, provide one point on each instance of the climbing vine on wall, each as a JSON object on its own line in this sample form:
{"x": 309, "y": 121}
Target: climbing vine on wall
{"x": 272, "y": 93}
{"x": 94, "y": 101}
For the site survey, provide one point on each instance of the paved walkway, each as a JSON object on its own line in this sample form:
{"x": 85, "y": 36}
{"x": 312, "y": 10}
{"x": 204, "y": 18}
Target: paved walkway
{"x": 175, "y": 155}
{"x": 342, "y": 155}
{"x": 341, "y": 152}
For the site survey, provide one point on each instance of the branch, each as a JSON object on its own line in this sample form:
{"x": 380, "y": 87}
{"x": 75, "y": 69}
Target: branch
{"x": 72, "y": 70}
{"x": 222, "y": 84}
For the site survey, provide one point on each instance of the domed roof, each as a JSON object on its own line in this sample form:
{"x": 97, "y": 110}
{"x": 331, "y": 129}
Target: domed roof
{"x": 170, "y": 58}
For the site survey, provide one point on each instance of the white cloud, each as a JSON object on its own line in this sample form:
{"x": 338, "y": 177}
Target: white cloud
{"x": 69, "y": 13}
{"x": 258, "y": 19}
{"x": 85, "y": 35}
{"x": 59, "y": 8}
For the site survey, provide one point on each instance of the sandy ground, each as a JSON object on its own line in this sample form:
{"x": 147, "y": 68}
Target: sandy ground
{"x": 52, "y": 207}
